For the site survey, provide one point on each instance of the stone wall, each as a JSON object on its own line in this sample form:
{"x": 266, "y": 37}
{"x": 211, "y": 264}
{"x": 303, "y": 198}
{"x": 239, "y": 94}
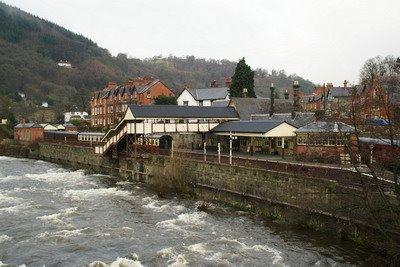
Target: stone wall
{"x": 289, "y": 197}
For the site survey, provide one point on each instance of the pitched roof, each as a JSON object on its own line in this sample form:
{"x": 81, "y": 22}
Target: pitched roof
{"x": 209, "y": 93}
{"x": 173, "y": 111}
{"x": 28, "y": 125}
{"x": 341, "y": 91}
{"x": 249, "y": 106}
{"x": 326, "y": 127}
{"x": 379, "y": 141}
{"x": 301, "y": 118}
{"x": 143, "y": 88}
{"x": 247, "y": 126}
{"x": 121, "y": 90}
{"x": 220, "y": 103}
{"x": 69, "y": 125}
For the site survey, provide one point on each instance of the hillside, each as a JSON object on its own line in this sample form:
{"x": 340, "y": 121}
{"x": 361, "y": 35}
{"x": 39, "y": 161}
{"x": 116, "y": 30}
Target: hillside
{"x": 30, "y": 48}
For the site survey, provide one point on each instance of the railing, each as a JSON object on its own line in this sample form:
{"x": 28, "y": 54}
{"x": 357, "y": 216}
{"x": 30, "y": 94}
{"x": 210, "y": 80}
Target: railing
{"x": 151, "y": 128}
{"x": 344, "y": 176}
{"x": 113, "y": 140}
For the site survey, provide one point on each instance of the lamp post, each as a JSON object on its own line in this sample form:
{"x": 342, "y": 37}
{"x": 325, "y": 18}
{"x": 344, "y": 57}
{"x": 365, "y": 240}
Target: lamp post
{"x": 230, "y": 148}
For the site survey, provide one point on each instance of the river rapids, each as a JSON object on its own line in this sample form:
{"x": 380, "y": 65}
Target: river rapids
{"x": 53, "y": 216}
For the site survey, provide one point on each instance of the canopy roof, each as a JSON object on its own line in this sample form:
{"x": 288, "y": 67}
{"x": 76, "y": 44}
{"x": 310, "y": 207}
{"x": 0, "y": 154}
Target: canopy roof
{"x": 177, "y": 112}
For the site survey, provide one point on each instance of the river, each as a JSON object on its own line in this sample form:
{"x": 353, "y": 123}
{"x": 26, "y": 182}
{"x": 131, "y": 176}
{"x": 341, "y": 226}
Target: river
{"x": 53, "y": 216}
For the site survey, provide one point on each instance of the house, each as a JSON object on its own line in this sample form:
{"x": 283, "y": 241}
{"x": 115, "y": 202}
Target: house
{"x": 247, "y": 107}
{"x": 22, "y": 95}
{"x": 75, "y": 115}
{"x": 64, "y": 64}
{"x": 380, "y": 100}
{"x": 48, "y": 127}
{"x": 28, "y": 133}
{"x": 203, "y": 97}
{"x": 3, "y": 119}
{"x": 60, "y": 127}
{"x": 267, "y": 137}
{"x": 334, "y": 100}
{"x": 324, "y": 141}
{"x": 108, "y": 106}
{"x": 70, "y": 127}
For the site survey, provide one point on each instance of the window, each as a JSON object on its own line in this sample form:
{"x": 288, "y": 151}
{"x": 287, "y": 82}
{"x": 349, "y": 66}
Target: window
{"x": 340, "y": 140}
{"x": 201, "y": 103}
{"x": 331, "y": 141}
{"x": 302, "y": 139}
{"x": 186, "y": 103}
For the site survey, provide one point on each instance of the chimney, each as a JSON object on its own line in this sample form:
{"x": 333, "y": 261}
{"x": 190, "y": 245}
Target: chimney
{"x": 272, "y": 97}
{"x": 111, "y": 85}
{"x": 296, "y": 99}
{"x": 286, "y": 94}
{"x": 214, "y": 84}
{"x": 345, "y": 84}
{"x": 228, "y": 81}
{"x": 244, "y": 92}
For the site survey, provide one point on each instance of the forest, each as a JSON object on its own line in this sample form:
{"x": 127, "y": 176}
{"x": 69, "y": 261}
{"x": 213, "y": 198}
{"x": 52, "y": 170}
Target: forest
{"x": 30, "y": 48}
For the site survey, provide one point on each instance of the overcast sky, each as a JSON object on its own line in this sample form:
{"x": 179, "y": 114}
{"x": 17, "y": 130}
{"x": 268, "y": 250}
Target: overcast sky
{"x": 322, "y": 40}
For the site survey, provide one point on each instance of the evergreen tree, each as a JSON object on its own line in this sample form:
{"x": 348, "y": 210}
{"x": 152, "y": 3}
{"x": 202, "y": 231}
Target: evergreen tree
{"x": 243, "y": 78}
{"x": 165, "y": 100}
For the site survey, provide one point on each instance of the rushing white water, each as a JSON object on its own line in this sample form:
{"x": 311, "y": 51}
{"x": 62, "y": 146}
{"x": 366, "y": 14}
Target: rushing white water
{"x": 57, "y": 217}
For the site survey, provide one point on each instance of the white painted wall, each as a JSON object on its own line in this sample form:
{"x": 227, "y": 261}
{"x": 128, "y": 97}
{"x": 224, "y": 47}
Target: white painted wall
{"x": 68, "y": 115}
{"x": 282, "y": 130}
{"x": 186, "y": 96}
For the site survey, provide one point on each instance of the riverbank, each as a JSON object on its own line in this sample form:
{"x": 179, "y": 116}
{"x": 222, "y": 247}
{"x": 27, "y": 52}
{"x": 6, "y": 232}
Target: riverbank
{"x": 321, "y": 205}
{"x": 57, "y": 216}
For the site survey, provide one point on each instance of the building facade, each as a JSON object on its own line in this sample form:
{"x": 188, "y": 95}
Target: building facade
{"x": 203, "y": 97}
{"x": 324, "y": 141}
{"x": 268, "y": 137}
{"x": 28, "y": 133}
{"x": 108, "y": 106}
{"x": 75, "y": 115}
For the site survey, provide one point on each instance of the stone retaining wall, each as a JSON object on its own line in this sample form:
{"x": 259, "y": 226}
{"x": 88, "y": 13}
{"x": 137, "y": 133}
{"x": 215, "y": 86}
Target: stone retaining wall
{"x": 289, "y": 198}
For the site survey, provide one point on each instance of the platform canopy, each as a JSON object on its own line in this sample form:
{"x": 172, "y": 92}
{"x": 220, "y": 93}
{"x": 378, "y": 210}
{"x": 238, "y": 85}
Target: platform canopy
{"x": 136, "y": 112}
{"x": 266, "y": 128}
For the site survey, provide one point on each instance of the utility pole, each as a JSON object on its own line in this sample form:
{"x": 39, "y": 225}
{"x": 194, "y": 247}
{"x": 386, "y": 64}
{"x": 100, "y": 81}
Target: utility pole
{"x": 219, "y": 153}
{"x": 205, "y": 151}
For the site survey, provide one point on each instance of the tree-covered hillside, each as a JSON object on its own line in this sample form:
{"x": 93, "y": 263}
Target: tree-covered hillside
{"x": 30, "y": 48}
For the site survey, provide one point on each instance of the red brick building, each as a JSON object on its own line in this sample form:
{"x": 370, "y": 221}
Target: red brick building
{"x": 324, "y": 141}
{"x": 69, "y": 127}
{"x": 315, "y": 101}
{"x": 28, "y": 133}
{"x": 108, "y": 105}
{"x": 376, "y": 102}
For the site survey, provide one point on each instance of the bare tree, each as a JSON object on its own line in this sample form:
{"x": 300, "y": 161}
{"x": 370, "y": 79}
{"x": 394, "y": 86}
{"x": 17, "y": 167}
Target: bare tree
{"x": 378, "y": 170}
